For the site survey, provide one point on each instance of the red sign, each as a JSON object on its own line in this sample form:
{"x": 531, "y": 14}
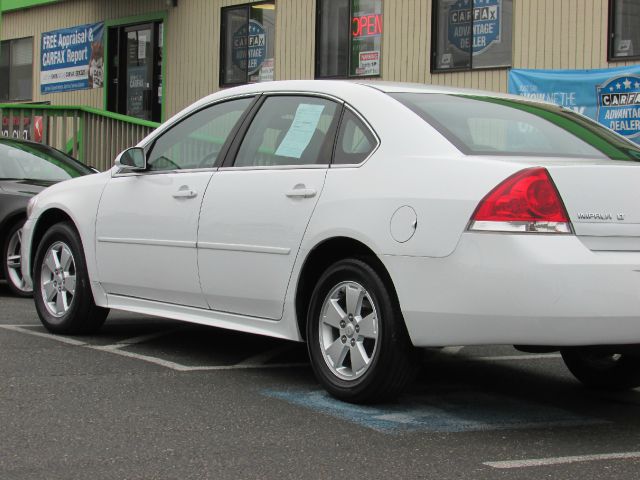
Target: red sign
{"x": 367, "y": 25}
{"x": 23, "y": 131}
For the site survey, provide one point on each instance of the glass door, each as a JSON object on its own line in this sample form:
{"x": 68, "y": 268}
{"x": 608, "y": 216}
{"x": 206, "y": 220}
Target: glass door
{"x": 135, "y": 76}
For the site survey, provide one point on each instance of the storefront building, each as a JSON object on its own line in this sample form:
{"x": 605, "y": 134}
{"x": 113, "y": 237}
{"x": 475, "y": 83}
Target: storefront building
{"x": 150, "y": 58}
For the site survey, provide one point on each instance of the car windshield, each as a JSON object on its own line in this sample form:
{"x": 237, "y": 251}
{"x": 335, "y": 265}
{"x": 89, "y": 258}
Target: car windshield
{"x": 22, "y": 161}
{"x": 483, "y": 125}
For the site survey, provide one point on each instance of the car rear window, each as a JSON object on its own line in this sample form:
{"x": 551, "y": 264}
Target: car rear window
{"x": 483, "y": 125}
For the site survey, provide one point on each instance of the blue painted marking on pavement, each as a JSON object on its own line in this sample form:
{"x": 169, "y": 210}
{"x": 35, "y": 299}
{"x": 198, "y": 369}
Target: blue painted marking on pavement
{"x": 451, "y": 412}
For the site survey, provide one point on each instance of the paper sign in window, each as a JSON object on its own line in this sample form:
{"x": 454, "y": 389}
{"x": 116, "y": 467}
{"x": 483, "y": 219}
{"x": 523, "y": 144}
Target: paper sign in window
{"x": 301, "y": 131}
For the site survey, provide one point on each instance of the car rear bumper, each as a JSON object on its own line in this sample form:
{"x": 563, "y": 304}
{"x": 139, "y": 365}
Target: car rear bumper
{"x": 520, "y": 289}
{"x": 27, "y": 236}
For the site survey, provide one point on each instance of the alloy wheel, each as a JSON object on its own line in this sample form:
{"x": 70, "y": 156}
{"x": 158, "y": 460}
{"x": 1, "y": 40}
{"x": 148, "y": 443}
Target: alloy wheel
{"x": 14, "y": 262}
{"x": 349, "y": 328}
{"x": 58, "y": 279}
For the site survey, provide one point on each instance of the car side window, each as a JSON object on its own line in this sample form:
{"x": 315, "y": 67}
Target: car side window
{"x": 196, "y": 141}
{"x": 289, "y": 130}
{"x": 355, "y": 140}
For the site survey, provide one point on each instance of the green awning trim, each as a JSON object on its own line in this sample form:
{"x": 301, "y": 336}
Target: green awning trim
{"x": 8, "y": 5}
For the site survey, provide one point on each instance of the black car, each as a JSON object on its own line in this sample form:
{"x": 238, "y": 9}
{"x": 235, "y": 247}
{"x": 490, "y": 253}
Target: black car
{"x": 26, "y": 168}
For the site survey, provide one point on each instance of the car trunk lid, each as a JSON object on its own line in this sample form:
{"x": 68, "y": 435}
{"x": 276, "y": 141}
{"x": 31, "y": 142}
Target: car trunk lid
{"x": 603, "y": 202}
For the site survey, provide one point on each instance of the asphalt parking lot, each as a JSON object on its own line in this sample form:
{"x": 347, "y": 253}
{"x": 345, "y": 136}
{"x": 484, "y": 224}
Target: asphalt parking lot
{"x": 151, "y": 398}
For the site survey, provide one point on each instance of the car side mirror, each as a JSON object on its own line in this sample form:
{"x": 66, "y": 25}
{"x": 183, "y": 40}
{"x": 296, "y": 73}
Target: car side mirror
{"x": 132, "y": 160}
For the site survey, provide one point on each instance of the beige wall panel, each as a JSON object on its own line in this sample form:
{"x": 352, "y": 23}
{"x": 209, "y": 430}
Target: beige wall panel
{"x": 536, "y": 41}
{"x": 546, "y": 34}
{"x": 388, "y": 42}
{"x": 414, "y": 49}
{"x": 421, "y": 36}
{"x": 518, "y": 26}
{"x": 192, "y": 52}
{"x": 581, "y": 35}
{"x": 587, "y": 21}
{"x": 565, "y": 26}
{"x": 295, "y": 39}
{"x": 407, "y": 44}
{"x": 572, "y": 33}
{"x": 549, "y": 50}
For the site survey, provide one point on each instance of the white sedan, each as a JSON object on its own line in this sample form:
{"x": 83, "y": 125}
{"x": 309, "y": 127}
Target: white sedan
{"x": 366, "y": 220}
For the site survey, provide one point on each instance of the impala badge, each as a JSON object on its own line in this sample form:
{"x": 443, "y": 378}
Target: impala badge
{"x": 596, "y": 216}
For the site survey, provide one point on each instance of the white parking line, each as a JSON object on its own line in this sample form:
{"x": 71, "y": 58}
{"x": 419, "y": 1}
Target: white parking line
{"x": 254, "y": 362}
{"x": 57, "y": 338}
{"x": 244, "y": 367}
{"x": 540, "y": 462}
{"x": 115, "y": 349}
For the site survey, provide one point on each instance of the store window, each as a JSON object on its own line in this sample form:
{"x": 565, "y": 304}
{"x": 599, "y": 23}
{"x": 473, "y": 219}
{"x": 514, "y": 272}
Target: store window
{"x": 471, "y": 34}
{"x": 348, "y": 38}
{"x": 624, "y": 34}
{"x": 16, "y": 70}
{"x": 135, "y": 70}
{"x": 247, "y": 43}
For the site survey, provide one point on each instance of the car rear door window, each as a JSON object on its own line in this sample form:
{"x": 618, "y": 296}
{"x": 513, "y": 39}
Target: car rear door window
{"x": 355, "y": 140}
{"x": 197, "y": 141}
{"x": 290, "y": 131}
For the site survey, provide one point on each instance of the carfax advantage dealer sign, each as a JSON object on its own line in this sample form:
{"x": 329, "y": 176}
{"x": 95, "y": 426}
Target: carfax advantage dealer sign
{"x": 72, "y": 59}
{"x": 610, "y": 96}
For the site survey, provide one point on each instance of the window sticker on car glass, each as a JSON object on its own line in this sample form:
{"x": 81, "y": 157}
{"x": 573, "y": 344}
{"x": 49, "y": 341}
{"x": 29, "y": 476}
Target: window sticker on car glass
{"x": 301, "y": 131}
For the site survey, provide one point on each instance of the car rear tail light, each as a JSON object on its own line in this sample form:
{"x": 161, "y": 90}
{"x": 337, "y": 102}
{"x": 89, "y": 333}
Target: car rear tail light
{"x": 526, "y": 202}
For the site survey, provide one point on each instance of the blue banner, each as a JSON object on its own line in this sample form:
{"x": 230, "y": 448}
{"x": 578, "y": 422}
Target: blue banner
{"x": 72, "y": 59}
{"x": 610, "y": 96}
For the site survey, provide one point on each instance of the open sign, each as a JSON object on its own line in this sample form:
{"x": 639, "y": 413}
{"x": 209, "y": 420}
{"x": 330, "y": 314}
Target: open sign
{"x": 366, "y": 25}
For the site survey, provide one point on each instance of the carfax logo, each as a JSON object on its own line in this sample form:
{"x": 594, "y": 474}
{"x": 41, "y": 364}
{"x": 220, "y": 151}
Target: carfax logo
{"x": 250, "y": 51}
{"x": 619, "y": 105}
{"x": 485, "y": 17}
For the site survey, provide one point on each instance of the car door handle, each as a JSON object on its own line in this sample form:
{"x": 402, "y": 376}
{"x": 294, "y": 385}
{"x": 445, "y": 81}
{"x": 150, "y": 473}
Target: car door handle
{"x": 301, "y": 192}
{"x": 185, "y": 192}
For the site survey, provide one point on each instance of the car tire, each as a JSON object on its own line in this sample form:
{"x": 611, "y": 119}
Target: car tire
{"x": 603, "y": 370}
{"x": 62, "y": 290}
{"x": 357, "y": 341}
{"x": 12, "y": 263}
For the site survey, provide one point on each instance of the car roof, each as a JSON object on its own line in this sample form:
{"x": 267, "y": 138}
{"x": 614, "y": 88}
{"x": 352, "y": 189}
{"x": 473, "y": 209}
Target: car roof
{"x": 343, "y": 89}
{"x": 333, "y": 86}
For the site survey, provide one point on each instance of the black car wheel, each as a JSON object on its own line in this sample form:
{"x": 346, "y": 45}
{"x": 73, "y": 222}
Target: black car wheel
{"x": 63, "y": 296}
{"x": 358, "y": 345}
{"x": 599, "y": 369}
{"x": 12, "y": 261}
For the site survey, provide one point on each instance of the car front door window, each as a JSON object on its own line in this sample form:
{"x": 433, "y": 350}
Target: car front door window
{"x": 197, "y": 141}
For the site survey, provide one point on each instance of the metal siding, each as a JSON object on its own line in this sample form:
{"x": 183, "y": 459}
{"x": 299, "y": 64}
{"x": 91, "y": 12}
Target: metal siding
{"x": 546, "y": 34}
